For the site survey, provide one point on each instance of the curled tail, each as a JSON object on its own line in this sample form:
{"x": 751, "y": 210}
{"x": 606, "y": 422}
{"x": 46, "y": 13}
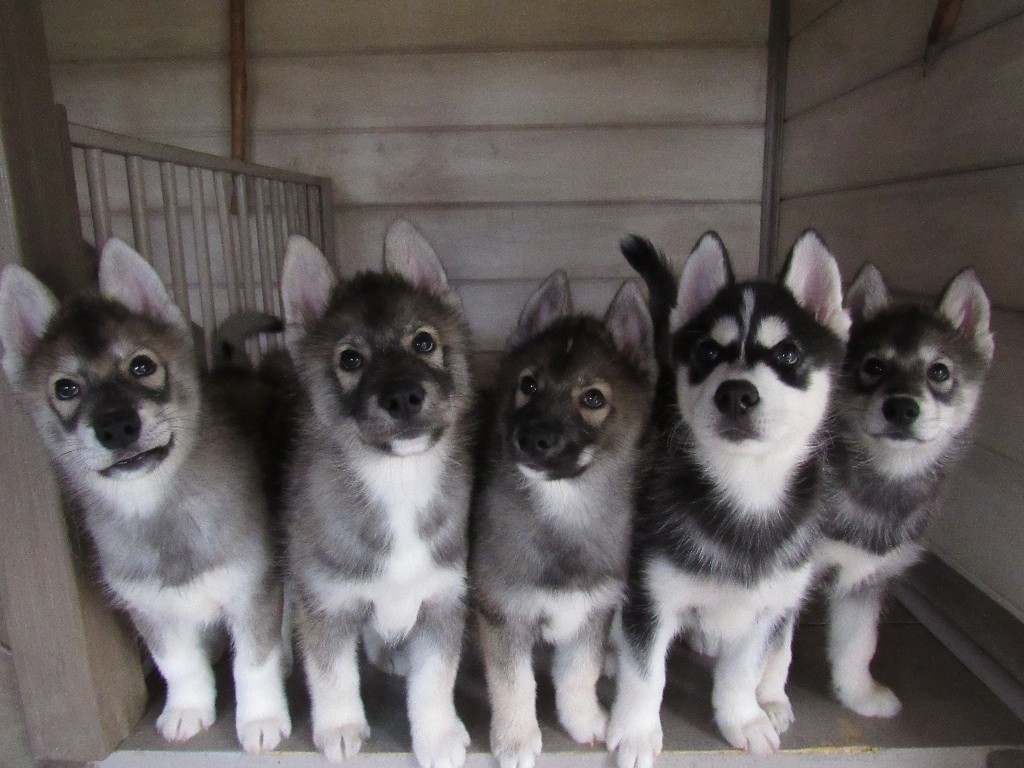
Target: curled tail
{"x": 230, "y": 336}
{"x": 654, "y": 268}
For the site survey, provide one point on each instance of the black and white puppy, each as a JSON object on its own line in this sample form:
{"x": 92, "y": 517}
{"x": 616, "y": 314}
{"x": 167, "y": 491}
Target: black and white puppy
{"x": 379, "y": 486}
{"x": 169, "y": 476}
{"x": 729, "y": 511}
{"x": 554, "y": 510}
{"x": 910, "y": 387}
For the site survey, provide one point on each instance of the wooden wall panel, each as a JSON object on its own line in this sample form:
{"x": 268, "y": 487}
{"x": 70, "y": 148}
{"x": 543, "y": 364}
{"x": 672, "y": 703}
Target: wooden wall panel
{"x": 617, "y": 87}
{"x": 966, "y": 113}
{"x": 511, "y": 166}
{"x": 528, "y": 241}
{"x": 113, "y": 29}
{"x": 920, "y": 233}
{"x": 860, "y": 40}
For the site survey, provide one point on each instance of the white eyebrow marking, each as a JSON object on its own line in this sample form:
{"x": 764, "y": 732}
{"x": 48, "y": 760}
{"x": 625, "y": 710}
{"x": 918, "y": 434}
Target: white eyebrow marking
{"x": 771, "y": 330}
{"x": 748, "y": 313}
{"x": 725, "y": 331}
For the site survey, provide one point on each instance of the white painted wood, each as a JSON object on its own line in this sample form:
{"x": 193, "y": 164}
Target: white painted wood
{"x": 968, "y": 112}
{"x": 860, "y": 40}
{"x": 113, "y": 29}
{"x": 528, "y": 241}
{"x": 600, "y": 164}
{"x": 920, "y": 233}
{"x": 309, "y": 93}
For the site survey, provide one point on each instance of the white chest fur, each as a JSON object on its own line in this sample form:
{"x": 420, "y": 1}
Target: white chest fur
{"x": 404, "y": 487}
{"x": 858, "y": 567}
{"x": 561, "y": 613}
{"x": 724, "y": 610}
{"x": 200, "y": 601}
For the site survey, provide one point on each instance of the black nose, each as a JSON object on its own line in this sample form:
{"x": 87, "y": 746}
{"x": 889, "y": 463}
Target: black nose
{"x": 117, "y": 429}
{"x": 735, "y": 397}
{"x": 539, "y": 442}
{"x": 403, "y": 399}
{"x": 901, "y": 411}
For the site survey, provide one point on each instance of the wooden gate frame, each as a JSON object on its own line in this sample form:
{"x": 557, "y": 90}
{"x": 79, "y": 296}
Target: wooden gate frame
{"x": 78, "y": 669}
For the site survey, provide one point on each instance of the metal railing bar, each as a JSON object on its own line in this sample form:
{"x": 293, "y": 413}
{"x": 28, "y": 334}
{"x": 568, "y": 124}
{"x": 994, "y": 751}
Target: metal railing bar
{"x": 137, "y": 202}
{"x": 220, "y": 181}
{"x": 204, "y": 267}
{"x": 99, "y": 202}
{"x": 175, "y": 252}
{"x": 119, "y": 144}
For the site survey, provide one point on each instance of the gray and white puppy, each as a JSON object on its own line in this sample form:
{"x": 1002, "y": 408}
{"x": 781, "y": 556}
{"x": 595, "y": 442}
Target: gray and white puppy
{"x": 910, "y": 386}
{"x": 378, "y": 493}
{"x": 170, "y": 488}
{"x": 554, "y": 509}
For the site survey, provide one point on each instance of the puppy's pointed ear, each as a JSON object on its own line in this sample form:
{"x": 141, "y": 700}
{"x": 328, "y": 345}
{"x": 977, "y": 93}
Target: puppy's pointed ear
{"x": 306, "y": 284}
{"x": 706, "y": 272}
{"x": 407, "y": 253}
{"x": 128, "y": 279}
{"x": 26, "y": 308}
{"x": 551, "y": 301}
{"x": 965, "y": 304}
{"x": 812, "y": 275}
{"x": 630, "y": 324}
{"x": 868, "y": 295}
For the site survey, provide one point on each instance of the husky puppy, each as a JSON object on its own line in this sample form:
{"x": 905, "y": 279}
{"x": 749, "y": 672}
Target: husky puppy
{"x": 729, "y": 510}
{"x": 378, "y": 493}
{"x": 169, "y": 487}
{"x": 554, "y": 512}
{"x": 910, "y": 386}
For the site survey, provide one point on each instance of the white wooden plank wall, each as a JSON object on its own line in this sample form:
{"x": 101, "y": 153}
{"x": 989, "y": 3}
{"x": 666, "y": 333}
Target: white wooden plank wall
{"x": 922, "y": 172}
{"x": 519, "y": 136}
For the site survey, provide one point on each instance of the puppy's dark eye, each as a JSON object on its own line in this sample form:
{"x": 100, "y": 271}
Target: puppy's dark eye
{"x": 66, "y": 389}
{"x": 528, "y": 385}
{"x": 593, "y": 399}
{"x": 350, "y": 360}
{"x": 707, "y": 351}
{"x": 423, "y": 343}
{"x": 142, "y": 366}
{"x": 872, "y": 368}
{"x": 938, "y": 372}
{"x": 788, "y": 354}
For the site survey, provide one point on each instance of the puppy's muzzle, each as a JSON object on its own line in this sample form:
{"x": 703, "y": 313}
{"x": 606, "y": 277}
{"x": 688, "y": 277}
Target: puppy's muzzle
{"x": 117, "y": 429}
{"x": 901, "y": 411}
{"x": 539, "y": 443}
{"x": 402, "y": 400}
{"x": 736, "y": 398}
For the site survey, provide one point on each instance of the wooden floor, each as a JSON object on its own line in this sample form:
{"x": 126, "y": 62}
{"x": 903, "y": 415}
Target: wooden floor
{"x": 949, "y": 718}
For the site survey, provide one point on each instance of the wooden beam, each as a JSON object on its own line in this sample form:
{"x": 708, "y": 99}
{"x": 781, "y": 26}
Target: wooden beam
{"x": 78, "y": 670}
{"x": 239, "y": 81}
{"x": 774, "y": 115}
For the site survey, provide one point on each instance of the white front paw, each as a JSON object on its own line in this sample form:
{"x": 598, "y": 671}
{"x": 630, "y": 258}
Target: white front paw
{"x": 870, "y": 700}
{"x": 756, "y": 736}
{"x": 586, "y": 725}
{"x": 635, "y": 740}
{"x": 780, "y": 713}
{"x": 442, "y": 746}
{"x": 516, "y": 747}
{"x": 264, "y": 734}
{"x": 182, "y": 723}
{"x": 341, "y": 742}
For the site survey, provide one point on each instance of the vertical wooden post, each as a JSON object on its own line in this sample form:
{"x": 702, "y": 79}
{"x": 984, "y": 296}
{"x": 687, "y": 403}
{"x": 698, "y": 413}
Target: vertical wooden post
{"x": 78, "y": 670}
{"x": 239, "y": 81}
{"x": 774, "y": 117}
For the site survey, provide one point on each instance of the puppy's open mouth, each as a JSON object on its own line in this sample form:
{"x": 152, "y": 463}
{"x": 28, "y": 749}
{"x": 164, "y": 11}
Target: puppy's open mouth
{"x": 139, "y": 463}
{"x": 900, "y": 437}
{"x": 552, "y": 472}
{"x": 738, "y": 433}
{"x": 412, "y": 443}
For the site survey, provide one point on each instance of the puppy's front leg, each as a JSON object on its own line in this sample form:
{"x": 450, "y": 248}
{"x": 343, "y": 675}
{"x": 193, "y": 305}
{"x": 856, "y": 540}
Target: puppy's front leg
{"x": 179, "y": 650}
{"x": 738, "y": 672}
{"x": 852, "y": 640}
{"x": 261, "y": 716}
{"x": 576, "y": 669}
{"x": 508, "y": 662}
{"x": 329, "y": 646}
{"x": 439, "y": 739}
{"x": 634, "y": 729}
{"x": 771, "y": 692}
